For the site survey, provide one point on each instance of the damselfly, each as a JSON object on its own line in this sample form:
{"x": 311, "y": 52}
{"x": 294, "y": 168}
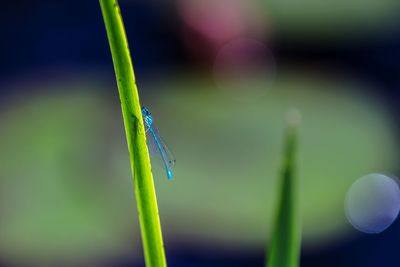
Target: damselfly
{"x": 156, "y": 144}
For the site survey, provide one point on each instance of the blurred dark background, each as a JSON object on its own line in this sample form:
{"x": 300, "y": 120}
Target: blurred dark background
{"x": 51, "y": 49}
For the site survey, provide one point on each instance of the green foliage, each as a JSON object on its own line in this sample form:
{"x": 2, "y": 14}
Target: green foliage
{"x": 136, "y": 137}
{"x": 285, "y": 247}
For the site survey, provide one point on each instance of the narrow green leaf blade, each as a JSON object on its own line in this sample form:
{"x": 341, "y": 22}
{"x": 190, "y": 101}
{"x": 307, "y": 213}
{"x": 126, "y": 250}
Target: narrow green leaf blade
{"x": 286, "y": 237}
{"x": 136, "y": 137}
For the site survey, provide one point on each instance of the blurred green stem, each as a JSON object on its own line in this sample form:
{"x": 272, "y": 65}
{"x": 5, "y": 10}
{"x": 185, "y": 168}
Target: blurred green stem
{"x": 286, "y": 237}
{"x": 136, "y": 137}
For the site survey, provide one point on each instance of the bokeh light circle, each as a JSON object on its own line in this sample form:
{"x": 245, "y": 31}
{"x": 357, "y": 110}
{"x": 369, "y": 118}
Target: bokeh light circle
{"x": 245, "y": 66}
{"x": 373, "y": 203}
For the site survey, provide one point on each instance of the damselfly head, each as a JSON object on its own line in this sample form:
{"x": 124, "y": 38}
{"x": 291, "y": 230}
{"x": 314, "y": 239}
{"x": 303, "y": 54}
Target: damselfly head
{"x": 147, "y": 117}
{"x": 145, "y": 112}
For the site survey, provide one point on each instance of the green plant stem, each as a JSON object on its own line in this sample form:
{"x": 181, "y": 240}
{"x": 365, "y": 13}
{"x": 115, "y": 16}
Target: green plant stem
{"x": 136, "y": 137}
{"x": 286, "y": 237}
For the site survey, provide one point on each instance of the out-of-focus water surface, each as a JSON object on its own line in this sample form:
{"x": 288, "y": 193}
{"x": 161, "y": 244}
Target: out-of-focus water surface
{"x": 65, "y": 176}
{"x": 66, "y": 192}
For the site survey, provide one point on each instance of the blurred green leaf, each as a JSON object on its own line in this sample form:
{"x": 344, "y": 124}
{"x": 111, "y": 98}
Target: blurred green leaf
{"x": 322, "y": 21}
{"x": 285, "y": 245}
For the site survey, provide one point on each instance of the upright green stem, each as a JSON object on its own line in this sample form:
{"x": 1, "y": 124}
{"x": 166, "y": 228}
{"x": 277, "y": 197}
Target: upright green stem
{"x": 286, "y": 238}
{"x": 135, "y": 134}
